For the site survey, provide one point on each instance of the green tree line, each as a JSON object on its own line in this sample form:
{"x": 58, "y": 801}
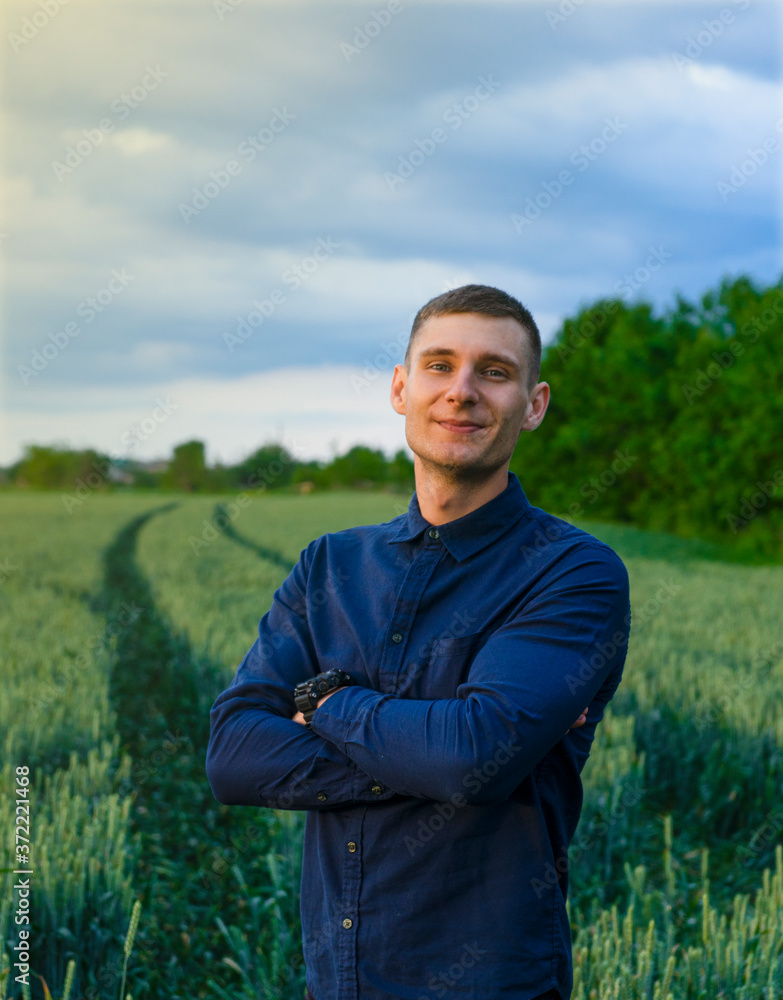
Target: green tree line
{"x": 271, "y": 466}
{"x": 669, "y": 421}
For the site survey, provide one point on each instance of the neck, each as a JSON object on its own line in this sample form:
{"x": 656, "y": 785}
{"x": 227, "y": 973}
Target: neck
{"x": 444, "y": 496}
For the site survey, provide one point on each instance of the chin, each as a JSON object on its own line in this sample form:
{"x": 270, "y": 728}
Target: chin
{"x": 465, "y": 466}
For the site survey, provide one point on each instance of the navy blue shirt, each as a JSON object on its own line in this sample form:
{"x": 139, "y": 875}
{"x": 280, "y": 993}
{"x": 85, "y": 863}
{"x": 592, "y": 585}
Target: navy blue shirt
{"x": 443, "y": 789}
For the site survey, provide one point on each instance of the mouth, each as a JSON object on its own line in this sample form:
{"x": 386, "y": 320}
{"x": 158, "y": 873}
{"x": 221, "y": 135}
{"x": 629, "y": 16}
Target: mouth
{"x": 461, "y": 426}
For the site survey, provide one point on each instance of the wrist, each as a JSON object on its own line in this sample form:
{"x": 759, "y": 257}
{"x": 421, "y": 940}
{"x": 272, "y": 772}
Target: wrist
{"x": 309, "y": 694}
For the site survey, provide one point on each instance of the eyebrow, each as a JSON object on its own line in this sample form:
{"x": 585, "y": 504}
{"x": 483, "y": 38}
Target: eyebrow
{"x": 432, "y": 352}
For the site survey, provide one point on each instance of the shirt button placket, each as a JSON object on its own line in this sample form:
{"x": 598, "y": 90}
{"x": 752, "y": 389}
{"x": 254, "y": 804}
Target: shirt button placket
{"x": 349, "y": 909}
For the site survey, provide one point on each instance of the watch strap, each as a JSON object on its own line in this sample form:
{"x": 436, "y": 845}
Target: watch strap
{"x": 308, "y": 693}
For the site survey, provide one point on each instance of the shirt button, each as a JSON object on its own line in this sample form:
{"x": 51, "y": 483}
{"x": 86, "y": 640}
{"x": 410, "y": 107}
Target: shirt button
{"x": 377, "y": 789}
{"x": 433, "y": 533}
{"x": 397, "y": 637}
{"x": 347, "y": 923}
{"x": 351, "y": 846}
{"x": 322, "y": 796}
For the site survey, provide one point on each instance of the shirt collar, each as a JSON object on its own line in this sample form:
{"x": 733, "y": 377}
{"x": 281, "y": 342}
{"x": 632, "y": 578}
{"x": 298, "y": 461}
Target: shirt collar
{"x": 468, "y": 534}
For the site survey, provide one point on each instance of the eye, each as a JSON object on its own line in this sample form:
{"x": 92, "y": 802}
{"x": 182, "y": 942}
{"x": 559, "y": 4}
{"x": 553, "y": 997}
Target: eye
{"x": 439, "y": 365}
{"x": 495, "y": 372}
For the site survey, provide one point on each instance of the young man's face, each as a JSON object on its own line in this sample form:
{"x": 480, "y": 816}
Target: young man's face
{"x": 465, "y": 396}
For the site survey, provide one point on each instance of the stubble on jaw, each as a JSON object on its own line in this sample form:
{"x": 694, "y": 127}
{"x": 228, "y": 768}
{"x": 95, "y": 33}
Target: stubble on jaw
{"x": 471, "y": 473}
{"x": 470, "y": 469}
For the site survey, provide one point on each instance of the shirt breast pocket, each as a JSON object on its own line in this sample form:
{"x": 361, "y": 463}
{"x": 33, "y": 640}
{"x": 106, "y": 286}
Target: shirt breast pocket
{"x": 450, "y": 662}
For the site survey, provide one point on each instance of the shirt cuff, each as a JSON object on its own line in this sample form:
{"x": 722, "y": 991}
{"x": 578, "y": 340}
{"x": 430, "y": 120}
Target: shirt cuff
{"x": 341, "y": 711}
{"x": 337, "y": 722}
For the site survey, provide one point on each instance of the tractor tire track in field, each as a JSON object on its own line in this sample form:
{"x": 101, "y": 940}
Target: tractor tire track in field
{"x": 222, "y": 520}
{"x": 153, "y": 687}
{"x": 161, "y": 692}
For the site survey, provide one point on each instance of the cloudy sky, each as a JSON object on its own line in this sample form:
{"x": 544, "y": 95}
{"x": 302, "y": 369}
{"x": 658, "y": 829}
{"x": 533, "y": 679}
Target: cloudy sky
{"x": 221, "y": 215}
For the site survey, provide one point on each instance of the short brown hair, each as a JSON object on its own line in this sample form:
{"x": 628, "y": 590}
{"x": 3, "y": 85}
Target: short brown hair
{"x": 486, "y": 301}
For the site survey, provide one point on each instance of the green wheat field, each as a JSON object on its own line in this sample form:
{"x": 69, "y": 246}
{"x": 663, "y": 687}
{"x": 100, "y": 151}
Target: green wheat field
{"x": 121, "y": 622}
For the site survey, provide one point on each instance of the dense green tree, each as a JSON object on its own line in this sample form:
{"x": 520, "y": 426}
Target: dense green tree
{"x": 400, "y": 471}
{"x": 51, "y": 468}
{"x": 670, "y": 422}
{"x": 270, "y": 467}
{"x": 187, "y": 469}
{"x": 359, "y": 467}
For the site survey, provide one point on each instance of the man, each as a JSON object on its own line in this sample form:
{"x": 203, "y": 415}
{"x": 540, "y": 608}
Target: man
{"x": 440, "y": 763}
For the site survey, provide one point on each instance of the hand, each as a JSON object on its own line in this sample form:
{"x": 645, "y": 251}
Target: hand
{"x": 300, "y": 718}
{"x": 581, "y": 720}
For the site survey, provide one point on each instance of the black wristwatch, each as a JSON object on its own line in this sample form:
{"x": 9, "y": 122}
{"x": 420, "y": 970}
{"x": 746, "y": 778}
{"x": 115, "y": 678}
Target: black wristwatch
{"x": 308, "y": 693}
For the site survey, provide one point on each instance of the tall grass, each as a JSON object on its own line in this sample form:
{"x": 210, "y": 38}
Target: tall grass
{"x": 675, "y": 875}
{"x": 56, "y": 718}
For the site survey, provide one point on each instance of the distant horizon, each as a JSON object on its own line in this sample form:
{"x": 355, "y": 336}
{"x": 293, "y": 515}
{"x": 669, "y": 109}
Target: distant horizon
{"x": 119, "y": 460}
{"x": 270, "y": 395}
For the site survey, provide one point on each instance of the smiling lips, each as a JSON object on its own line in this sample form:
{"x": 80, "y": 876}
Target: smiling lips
{"x": 460, "y": 426}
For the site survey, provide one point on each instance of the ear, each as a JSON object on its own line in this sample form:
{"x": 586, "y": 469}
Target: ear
{"x": 539, "y": 401}
{"x": 399, "y": 380}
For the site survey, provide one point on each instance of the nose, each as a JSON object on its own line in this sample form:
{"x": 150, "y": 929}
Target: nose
{"x": 463, "y": 387}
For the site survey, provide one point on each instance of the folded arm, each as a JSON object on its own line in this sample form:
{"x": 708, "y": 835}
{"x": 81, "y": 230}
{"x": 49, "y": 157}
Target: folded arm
{"x": 524, "y": 689}
{"x": 257, "y": 755}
